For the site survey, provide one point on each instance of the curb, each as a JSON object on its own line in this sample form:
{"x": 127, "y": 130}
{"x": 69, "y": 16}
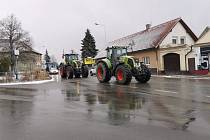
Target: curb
{"x": 183, "y": 77}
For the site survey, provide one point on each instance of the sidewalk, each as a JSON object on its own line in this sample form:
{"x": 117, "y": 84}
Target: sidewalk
{"x": 198, "y": 77}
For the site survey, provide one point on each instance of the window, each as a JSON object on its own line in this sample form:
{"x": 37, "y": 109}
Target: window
{"x": 124, "y": 51}
{"x": 146, "y": 60}
{"x": 119, "y": 52}
{"x": 182, "y": 40}
{"x": 174, "y": 39}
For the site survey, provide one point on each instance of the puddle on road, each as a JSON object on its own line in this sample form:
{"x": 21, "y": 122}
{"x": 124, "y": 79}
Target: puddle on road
{"x": 17, "y": 94}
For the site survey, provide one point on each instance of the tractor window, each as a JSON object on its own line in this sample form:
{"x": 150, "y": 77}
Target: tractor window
{"x": 109, "y": 53}
{"x": 72, "y": 57}
{"x": 119, "y": 52}
{"x": 124, "y": 51}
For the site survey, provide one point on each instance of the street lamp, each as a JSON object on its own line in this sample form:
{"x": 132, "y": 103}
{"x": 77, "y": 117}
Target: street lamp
{"x": 97, "y": 24}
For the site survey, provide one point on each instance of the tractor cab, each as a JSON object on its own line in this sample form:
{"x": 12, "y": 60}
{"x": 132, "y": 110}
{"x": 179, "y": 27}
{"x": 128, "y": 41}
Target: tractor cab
{"x": 115, "y": 52}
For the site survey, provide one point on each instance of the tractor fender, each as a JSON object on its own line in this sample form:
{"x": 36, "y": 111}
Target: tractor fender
{"x": 106, "y": 62}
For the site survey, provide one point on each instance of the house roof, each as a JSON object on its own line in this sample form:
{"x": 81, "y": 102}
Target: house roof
{"x": 101, "y": 54}
{"x": 204, "y": 32}
{"x": 4, "y": 47}
{"x": 152, "y": 37}
{"x": 33, "y": 51}
{"x": 204, "y": 38}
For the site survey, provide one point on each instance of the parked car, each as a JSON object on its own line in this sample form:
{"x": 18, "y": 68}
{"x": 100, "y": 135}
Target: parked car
{"x": 53, "y": 70}
{"x": 92, "y": 71}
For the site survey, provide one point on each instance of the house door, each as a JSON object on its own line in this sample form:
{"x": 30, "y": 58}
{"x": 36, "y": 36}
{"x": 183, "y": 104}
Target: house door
{"x": 172, "y": 63}
{"x": 191, "y": 64}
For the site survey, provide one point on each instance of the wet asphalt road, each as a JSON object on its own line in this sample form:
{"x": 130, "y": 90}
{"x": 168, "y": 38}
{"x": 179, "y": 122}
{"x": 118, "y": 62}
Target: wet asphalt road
{"x": 83, "y": 109}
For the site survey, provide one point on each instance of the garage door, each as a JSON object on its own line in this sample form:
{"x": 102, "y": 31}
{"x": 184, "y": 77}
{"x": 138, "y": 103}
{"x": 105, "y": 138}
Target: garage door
{"x": 172, "y": 63}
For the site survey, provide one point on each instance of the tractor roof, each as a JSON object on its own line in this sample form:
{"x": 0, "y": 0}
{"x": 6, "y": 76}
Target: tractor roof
{"x": 116, "y": 47}
{"x": 71, "y": 54}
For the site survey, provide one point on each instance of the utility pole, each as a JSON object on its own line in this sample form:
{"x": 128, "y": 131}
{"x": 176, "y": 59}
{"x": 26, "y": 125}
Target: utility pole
{"x": 16, "y": 54}
{"x": 105, "y": 39}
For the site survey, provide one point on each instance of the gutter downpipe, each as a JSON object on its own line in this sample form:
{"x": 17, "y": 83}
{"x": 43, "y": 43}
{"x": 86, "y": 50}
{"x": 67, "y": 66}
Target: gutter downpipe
{"x": 157, "y": 61}
{"x": 186, "y": 57}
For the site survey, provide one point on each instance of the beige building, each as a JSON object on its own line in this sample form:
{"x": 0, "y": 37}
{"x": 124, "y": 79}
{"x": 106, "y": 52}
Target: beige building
{"x": 165, "y": 48}
{"x": 29, "y": 60}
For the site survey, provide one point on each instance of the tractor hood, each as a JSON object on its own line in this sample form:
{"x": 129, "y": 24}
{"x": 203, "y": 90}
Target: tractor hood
{"x": 77, "y": 63}
{"x": 124, "y": 58}
{"x": 134, "y": 58}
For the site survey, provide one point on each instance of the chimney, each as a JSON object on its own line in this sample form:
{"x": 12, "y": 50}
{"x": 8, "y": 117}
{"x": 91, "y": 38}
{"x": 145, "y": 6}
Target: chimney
{"x": 148, "y": 26}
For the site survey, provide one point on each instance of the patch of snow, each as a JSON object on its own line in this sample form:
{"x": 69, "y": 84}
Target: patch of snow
{"x": 27, "y": 83}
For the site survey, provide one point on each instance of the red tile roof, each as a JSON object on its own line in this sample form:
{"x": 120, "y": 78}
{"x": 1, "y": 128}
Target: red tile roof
{"x": 150, "y": 38}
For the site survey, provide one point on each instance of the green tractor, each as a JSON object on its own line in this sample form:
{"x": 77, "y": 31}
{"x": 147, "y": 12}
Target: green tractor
{"x": 122, "y": 66}
{"x": 72, "y": 67}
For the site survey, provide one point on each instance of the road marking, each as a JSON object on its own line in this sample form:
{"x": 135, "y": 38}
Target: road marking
{"x": 166, "y": 91}
{"x": 208, "y": 96}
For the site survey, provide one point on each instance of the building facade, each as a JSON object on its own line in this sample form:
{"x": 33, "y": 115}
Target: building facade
{"x": 203, "y": 44}
{"x": 28, "y": 58}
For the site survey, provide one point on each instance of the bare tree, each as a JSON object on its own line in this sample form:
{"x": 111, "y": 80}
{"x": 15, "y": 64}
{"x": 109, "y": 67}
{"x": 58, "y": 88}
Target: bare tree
{"x": 17, "y": 38}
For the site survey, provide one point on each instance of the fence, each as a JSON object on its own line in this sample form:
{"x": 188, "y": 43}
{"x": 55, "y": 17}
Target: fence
{"x": 35, "y": 75}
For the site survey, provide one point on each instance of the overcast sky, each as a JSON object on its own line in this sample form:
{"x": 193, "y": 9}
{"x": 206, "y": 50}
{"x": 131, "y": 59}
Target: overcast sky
{"x": 61, "y": 24}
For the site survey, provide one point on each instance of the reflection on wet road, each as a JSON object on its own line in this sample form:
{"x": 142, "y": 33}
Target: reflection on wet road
{"x": 85, "y": 109}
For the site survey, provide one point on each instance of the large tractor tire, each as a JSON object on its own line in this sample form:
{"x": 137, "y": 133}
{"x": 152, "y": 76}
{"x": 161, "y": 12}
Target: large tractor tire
{"x": 69, "y": 72}
{"x": 85, "y": 71}
{"x": 123, "y": 74}
{"x": 62, "y": 71}
{"x": 77, "y": 73}
{"x": 103, "y": 73}
{"x": 145, "y": 75}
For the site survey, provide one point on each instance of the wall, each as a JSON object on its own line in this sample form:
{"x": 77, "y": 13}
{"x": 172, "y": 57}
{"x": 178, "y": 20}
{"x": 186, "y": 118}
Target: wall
{"x": 179, "y": 31}
{"x": 29, "y": 61}
{"x": 26, "y": 61}
{"x": 147, "y": 53}
{"x": 195, "y": 54}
